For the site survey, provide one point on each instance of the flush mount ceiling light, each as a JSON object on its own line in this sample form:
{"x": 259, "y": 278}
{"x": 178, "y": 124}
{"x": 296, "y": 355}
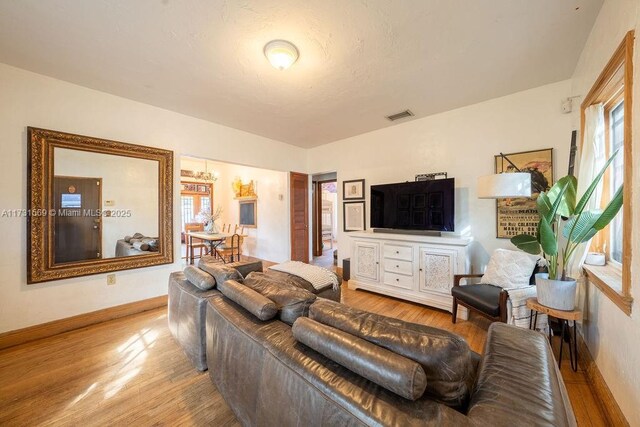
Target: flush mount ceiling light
{"x": 281, "y": 53}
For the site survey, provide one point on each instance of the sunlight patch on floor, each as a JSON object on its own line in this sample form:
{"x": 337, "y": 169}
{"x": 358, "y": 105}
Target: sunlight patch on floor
{"x": 82, "y": 395}
{"x": 134, "y": 352}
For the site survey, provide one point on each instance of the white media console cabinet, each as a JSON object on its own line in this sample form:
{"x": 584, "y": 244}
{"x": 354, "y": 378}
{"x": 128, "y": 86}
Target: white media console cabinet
{"x": 411, "y": 267}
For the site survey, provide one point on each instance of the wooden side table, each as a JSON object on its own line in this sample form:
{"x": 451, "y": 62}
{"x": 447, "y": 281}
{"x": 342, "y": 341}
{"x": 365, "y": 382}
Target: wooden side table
{"x": 564, "y": 317}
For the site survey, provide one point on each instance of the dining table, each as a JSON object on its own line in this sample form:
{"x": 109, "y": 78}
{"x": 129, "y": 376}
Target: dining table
{"x": 213, "y": 240}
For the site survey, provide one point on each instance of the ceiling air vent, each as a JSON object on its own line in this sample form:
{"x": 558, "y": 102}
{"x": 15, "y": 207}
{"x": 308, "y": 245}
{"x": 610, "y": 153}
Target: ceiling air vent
{"x": 401, "y": 115}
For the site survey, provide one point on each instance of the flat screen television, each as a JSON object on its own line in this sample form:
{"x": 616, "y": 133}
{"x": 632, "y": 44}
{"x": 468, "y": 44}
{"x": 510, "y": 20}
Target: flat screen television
{"x": 416, "y": 205}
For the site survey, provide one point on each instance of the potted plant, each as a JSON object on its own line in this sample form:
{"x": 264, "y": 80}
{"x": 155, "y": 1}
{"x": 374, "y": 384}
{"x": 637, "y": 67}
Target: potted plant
{"x": 563, "y": 226}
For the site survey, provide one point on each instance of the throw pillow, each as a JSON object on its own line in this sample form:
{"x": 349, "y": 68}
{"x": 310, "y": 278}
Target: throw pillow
{"x": 256, "y": 304}
{"x": 449, "y": 364}
{"x": 396, "y": 373}
{"x": 292, "y": 302}
{"x": 220, "y": 272}
{"x": 509, "y": 269}
{"x": 199, "y": 278}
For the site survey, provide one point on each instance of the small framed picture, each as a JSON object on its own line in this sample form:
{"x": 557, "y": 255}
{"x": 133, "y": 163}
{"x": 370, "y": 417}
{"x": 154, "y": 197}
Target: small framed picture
{"x": 353, "y": 189}
{"x": 353, "y": 216}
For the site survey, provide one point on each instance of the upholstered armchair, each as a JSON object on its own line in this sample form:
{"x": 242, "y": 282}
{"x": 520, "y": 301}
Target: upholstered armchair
{"x": 488, "y": 300}
{"x": 506, "y": 270}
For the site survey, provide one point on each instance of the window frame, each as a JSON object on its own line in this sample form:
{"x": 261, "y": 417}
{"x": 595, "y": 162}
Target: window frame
{"x": 615, "y": 84}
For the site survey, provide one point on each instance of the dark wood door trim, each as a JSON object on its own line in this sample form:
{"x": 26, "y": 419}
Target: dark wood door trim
{"x": 316, "y": 220}
{"x": 299, "y": 245}
{"x": 317, "y": 215}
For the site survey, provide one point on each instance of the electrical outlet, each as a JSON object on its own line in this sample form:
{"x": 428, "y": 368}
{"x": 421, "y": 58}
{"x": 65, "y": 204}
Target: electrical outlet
{"x": 111, "y": 279}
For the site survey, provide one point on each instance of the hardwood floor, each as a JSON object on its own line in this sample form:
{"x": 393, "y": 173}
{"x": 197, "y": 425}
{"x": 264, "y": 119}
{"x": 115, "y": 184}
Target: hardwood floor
{"x": 129, "y": 371}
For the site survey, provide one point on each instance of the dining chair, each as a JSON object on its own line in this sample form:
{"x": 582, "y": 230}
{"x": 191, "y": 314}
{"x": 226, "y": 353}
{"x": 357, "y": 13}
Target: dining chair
{"x": 231, "y": 249}
{"x": 193, "y": 242}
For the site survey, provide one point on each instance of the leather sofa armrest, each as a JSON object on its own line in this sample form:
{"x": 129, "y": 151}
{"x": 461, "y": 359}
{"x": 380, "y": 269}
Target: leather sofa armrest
{"x": 519, "y": 379}
{"x": 458, "y": 277}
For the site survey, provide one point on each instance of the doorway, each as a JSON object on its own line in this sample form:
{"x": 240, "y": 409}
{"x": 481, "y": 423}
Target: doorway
{"x": 325, "y": 219}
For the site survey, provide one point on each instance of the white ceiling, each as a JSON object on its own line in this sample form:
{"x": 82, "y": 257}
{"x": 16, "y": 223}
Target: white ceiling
{"x": 360, "y": 60}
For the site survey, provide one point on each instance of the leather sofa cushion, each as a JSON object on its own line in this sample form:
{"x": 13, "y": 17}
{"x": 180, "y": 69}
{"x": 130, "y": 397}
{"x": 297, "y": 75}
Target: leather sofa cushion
{"x": 256, "y": 304}
{"x": 220, "y": 272}
{"x": 449, "y": 364}
{"x": 199, "y": 278}
{"x": 397, "y": 374}
{"x": 485, "y": 298}
{"x": 292, "y": 302}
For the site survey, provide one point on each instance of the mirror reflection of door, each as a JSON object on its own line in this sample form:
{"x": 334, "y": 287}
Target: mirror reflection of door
{"x": 77, "y": 224}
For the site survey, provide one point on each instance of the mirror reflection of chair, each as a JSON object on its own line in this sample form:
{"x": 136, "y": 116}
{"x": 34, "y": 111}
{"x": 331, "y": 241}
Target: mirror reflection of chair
{"x": 194, "y": 243}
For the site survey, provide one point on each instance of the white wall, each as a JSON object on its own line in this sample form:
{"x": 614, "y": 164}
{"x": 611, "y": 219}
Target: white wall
{"x": 131, "y": 183}
{"x": 270, "y": 239}
{"x": 612, "y": 337}
{"x": 461, "y": 142}
{"x": 30, "y": 99}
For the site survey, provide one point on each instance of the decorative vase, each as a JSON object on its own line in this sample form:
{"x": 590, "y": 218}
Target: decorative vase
{"x": 558, "y": 294}
{"x": 209, "y": 227}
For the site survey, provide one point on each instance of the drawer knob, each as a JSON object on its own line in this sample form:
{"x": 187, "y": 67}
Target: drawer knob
{"x": 397, "y": 266}
{"x": 397, "y": 280}
{"x": 397, "y": 252}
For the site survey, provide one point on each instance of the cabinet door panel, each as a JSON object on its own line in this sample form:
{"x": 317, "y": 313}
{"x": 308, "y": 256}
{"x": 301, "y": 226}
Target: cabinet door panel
{"x": 367, "y": 262}
{"x": 437, "y": 267}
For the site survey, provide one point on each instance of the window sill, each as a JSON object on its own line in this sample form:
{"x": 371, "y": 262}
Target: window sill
{"x": 608, "y": 279}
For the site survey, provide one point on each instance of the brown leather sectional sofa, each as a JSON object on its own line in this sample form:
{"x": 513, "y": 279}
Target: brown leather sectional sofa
{"x": 280, "y": 356}
{"x": 270, "y": 378}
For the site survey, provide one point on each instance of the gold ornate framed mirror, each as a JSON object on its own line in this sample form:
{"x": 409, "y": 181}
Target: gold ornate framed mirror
{"x": 95, "y": 206}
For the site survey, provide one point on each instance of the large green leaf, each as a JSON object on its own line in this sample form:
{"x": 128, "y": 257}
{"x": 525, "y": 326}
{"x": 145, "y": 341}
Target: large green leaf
{"x": 589, "y": 192}
{"x": 580, "y": 228}
{"x": 567, "y": 206}
{"x": 547, "y": 237}
{"x": 527, "y": 243}
{"x": 544, "y": 205}
{"x": 610, "y": 211}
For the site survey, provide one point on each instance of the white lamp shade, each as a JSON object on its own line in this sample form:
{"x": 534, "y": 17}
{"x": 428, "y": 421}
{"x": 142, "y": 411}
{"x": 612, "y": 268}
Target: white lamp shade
{"x": 504, "y": 186}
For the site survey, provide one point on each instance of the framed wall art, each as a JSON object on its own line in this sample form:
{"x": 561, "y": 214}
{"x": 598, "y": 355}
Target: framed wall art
{"x": 520, "y": 216}
{"x": 354, "y": 216}
{"x": 248, "y": 213}
{"x": 352, "y": 190}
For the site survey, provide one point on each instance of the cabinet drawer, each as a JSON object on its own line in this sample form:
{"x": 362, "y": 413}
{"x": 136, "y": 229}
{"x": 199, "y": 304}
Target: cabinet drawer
{"x": 398, "y": 252}
{"x": 398, "y": 280}
{"x": 397, "y": 266}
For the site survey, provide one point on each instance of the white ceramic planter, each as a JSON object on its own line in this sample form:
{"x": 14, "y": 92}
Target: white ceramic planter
{"x": 558, "y": 294}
